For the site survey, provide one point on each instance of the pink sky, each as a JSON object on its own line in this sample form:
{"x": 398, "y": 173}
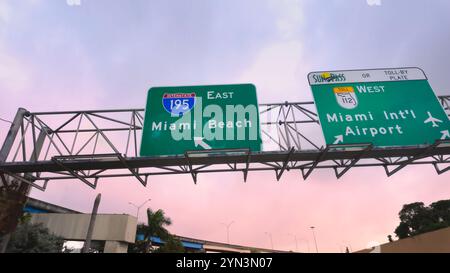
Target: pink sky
{"x": 106, "y": 54}
{"x": 355, "y": 211}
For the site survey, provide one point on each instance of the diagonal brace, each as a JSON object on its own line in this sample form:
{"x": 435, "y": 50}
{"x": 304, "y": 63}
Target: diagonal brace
{"x": 353, "y": 162}
{"x": 413, "y": 158}
{"x": 285, "y": 164}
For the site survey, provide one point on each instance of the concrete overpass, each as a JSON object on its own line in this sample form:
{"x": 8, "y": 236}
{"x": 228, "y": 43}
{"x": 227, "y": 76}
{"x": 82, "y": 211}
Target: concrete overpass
{"x": 116, "y": 230}
{"x": 218, "y": 247}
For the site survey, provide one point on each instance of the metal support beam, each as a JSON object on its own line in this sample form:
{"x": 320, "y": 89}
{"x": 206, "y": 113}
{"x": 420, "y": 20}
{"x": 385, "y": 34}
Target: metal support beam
{"x": 353, "y": 161}
{"x": 27, "y": 180}
{"x": 58, "y": 161}
{"x": 285, "y": 164}
{"x": 12, "y": 133}
{"x": 247, "y": 166}
{"x": 319, "y": 158}
{"x": 413, "y": 158}
{"x": 133, "y": 171}
{"x": 189, "y": 164}
{"x": 440, "y": 171}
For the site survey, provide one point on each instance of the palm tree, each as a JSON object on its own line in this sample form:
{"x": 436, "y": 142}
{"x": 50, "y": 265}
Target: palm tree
{"x": 156, "y": 223}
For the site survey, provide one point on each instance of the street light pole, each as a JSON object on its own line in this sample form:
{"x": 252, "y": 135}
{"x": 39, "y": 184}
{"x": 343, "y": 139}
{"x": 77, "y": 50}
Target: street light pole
{"x": 228, "y": 230}
{"x": 271, "y": 240}
{"x": 315, "y": 241}
{"x": 296, "y": 242}
{"x": 139, "y": 207}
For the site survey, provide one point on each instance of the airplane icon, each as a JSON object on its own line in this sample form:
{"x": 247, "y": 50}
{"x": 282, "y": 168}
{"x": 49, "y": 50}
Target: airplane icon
{"x": 433, "y": 120}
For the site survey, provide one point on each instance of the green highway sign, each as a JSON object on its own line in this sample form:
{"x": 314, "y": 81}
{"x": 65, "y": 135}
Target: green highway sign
{"x": 186, "y": 118}
{"x": 385, "y": 107}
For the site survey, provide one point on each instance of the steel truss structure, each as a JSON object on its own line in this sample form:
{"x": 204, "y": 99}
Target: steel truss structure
{"x": 99, "y": 144}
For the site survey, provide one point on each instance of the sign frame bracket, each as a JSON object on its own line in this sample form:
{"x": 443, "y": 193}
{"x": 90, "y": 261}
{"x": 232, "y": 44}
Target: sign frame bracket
{"x": 315, "y": 163}
{"x": 58, "y": 160}
{"x": 353, "y": 161}
{"x": 280, "y": 172}
{"x": 419, "y": 155}
{"x": 247, "y": 166}
{"x": 23, "y": 180}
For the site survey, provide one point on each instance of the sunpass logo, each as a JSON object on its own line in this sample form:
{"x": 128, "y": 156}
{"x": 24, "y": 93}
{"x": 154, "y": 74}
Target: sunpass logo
{"x": 329, "y": 77}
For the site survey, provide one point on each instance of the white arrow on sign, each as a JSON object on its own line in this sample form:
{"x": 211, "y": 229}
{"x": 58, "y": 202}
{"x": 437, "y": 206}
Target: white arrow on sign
{"x": 199, "y": 141}
{"x": 339, "y": 138}
{"x": 445, "y": 134}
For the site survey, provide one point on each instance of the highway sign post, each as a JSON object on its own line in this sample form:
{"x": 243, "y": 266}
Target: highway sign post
{"x": 385, "y": 107}
{"x": 187, "y": 118}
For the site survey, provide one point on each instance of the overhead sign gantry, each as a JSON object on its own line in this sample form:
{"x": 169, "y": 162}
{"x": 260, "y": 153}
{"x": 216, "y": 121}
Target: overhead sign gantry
{"x": 385, "y": 107}
{"x": 92, "y": 145}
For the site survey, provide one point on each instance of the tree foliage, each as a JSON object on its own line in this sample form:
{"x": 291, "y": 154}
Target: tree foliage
{"x": 156, "y": 227}
{"x": 416, "y": 218}
{"x": 34, "y": 238}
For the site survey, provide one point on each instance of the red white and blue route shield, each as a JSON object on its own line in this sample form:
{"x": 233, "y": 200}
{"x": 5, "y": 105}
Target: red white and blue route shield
{"x": 178, "y": 104}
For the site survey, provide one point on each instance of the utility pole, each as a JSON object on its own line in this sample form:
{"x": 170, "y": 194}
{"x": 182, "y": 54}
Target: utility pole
{"x": 87, "y": 243}
{"x": 270, "y": 236}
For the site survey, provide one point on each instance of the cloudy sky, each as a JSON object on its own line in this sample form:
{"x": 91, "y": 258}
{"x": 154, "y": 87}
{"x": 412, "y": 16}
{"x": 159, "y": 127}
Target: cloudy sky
{"x": 107, "y": 53}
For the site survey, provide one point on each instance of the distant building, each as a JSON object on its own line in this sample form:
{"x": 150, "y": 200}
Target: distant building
{"x": 437, "y": 241}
